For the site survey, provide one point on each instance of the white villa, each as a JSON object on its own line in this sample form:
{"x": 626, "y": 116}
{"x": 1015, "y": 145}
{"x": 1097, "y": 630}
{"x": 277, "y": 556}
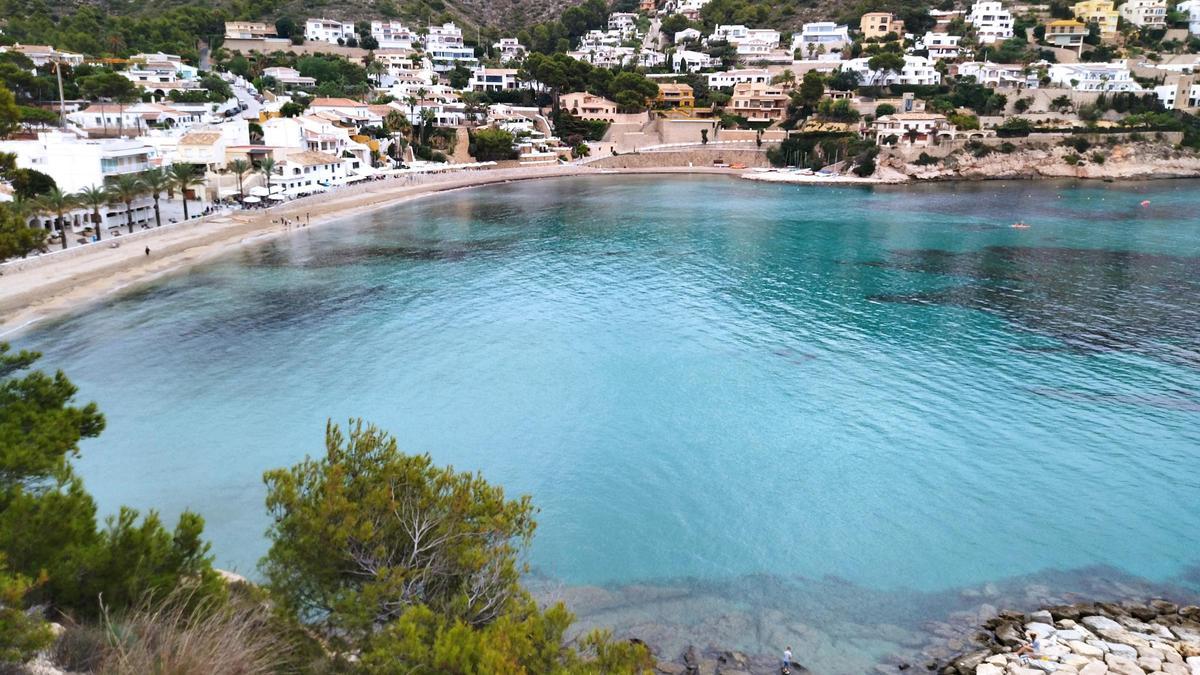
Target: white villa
{"x": 445, "y": 48}
{"x": 822, "y": 36}
{"x": 1114, "y": 76}
{"x": 393, "y": 35}
{"x": 327, "y": 30}
{"x": 992, "y": 22}
{"x": 684, "y": 60}
{"x": 940, "y": 45}
{"x": 732, "y": 78}
{"x": 918, "y": 70}
{"x": 1145, "y": 13}
{"x": 1000, "y": 75}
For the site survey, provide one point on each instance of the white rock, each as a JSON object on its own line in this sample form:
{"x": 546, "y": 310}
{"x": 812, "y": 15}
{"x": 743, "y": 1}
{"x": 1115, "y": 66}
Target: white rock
{"x": 1152, "y": 652}
{"x": 1098, "y": 644}
{"x": 1042, "y": 630}
{"x": 1176, "y": 669}
{"x": 1150, "y": 664}
{"x": 1070, "y": 634}
{"x": 996, "y": 660}
{"x": 1019, "y": 670}
{"x": 1075, "y": 660}
{"x": 1100, "y": 623}
{"x": 1193, "y": 662}
{"x": 1119, "y": 665}
{"x": 1094, "y": 668}
{"x": 988, "y": 669}
{"x": 1122, "y": 650}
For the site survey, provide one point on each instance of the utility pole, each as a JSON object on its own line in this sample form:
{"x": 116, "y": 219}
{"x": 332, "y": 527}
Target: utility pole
{"x": 62, "y": 103}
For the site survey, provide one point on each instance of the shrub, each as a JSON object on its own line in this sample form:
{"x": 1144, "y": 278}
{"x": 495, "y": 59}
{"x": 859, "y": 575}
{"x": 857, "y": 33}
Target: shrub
{"x": 1072, "y": 159}
{"x": 884, "y": 109}
{"x": 980, "y": 149}
{"x": 180, "y": 637}
{"x": 1099, "y": 157}
{"x": 1078, "y": 143}
{"x": 865, "y": 169}
{"x": 926, "y": 160}
{"x": 1007, "y": 148}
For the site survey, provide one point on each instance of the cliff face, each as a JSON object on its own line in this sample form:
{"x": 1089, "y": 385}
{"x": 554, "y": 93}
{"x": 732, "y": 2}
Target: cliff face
{"x": 1124, "y": 161}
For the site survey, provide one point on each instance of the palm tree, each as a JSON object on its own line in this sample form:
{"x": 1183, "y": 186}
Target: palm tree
{"x": 126, "y": 188}
{"x": 93, "y": 197}
{"x": 156, "y": 181}
{"x": 428, "y": 118}
{"x": 184, "y": 178}
{"x": 239, "y": 167}
{"x": 266, "y": 166}
{"x": 57, "y": 202}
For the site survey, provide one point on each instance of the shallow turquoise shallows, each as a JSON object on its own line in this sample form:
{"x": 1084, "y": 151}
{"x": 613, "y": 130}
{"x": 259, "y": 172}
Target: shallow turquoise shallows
{"x": 703, "y": 383}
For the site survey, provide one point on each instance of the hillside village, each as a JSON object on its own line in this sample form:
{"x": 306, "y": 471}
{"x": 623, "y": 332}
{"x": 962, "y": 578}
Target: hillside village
{"x": 274, "y": 111}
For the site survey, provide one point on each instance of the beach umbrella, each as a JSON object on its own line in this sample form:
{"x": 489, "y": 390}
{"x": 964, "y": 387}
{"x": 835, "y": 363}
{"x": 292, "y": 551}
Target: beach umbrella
{"x": 259, "y": 191}
{"x": 277, "y": 197}
{"x": 252, "y": 200}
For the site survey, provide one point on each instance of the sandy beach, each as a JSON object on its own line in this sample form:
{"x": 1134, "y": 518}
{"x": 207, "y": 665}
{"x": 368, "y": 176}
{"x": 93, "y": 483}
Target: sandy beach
{"x": 41, "y": 287}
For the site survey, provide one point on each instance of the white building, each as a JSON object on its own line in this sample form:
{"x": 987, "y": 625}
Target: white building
{"x": 509, "y": 49}
{"x": 684, "y": 60}
{"x": 690, "y": 9}
{"x": 289, "y": 76}
{"x": 992, "y": 22}
{"x": 445, "y": 48}
{"x": 1000, "y": 75}
{"x": 736, "y": 34}
{"x": 327, "y": 30}
{"x": 820, "y": 37}
{"x": 918, "y": 70}
{"x": 132, "y": 119}
{"x": 1191, "y": 8}
{"x": 307, "y": 169}
{"x": 940, "y": 45}
{"x": 1114, "y": 76}
{"x": 76, "y": 163}
{"x": 248, "y": 30}
{"x": 650, "y": 58}
{"x": 393, "y": 35}
{"x": 1181, "y": 94}
{"x": 1145, "y": 13}
{"x": 687, "y": 34}
{"x": 43, "y": 54}
{"x": 732, "y": 78}
{"x": 623, "y": 22}
{"x": 495, "y": 79}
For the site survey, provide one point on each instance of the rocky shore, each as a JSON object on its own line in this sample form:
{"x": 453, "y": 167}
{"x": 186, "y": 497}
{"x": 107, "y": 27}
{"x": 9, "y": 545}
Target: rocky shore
{"x": 1083, "y": 639}
{"x": 988, "y": 161}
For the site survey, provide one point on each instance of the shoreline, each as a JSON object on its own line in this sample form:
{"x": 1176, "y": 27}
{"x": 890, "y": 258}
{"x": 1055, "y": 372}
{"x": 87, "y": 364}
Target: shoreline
{"x": 44, "y": 287}
{"x": 47, "y": 286}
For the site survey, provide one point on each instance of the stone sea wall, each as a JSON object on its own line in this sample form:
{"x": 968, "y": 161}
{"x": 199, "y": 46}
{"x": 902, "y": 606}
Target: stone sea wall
{"x": 1158, "y": 637}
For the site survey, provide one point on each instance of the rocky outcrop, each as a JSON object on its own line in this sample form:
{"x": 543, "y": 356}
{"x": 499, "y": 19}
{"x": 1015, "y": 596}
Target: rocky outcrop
{"x": 1138, "y": 160}
{"x": 1154, "y": 638}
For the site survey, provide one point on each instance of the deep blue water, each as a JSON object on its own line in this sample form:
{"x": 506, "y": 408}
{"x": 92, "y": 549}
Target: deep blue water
{"x": 700, "y": 381}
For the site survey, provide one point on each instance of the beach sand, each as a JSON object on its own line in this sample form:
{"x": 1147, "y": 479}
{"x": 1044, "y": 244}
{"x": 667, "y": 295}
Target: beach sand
{"x": 42, "y": 287}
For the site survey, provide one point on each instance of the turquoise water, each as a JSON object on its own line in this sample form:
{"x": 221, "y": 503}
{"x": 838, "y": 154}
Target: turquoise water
{"x": 701, "y": 381}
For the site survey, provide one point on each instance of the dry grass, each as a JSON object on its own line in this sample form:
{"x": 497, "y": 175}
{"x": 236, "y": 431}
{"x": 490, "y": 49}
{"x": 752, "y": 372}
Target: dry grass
{"x": 177, "y": 636}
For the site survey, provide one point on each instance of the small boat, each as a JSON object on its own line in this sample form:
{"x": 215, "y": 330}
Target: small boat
{"x": 1145, "y": 203}
{"x": 1020, "y": 225}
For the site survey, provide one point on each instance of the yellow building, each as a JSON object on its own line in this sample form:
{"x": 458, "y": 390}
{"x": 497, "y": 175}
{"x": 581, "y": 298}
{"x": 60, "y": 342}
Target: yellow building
{"x": 1100, "y": 12}
{"x": 1066, "y": 33}
{"x": 879, "y": 24}
{"x": 672, "y": 95}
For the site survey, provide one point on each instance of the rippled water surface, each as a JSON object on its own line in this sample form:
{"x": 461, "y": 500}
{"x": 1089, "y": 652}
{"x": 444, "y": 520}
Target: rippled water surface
{"x": 727, "y": 393}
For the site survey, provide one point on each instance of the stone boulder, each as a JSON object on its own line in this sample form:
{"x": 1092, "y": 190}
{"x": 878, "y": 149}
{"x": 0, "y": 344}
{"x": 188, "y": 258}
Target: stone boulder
{"x": 1094, "y": 668}
{"x": 1086, "y": 650}
{"x": 1100, "y": 623}
{"x": 1119, "y": 665}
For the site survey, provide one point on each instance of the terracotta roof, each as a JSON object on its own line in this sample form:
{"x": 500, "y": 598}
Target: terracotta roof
{"x": 200, "y": 138}
{"x": 335, "y": 103}
{"x": 311, "y": 158}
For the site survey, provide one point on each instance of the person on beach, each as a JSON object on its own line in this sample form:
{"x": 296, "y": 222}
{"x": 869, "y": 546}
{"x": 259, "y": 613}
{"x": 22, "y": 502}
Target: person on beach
{"x": 787, "y": 660}
{"x": 1031, "y": 649}
{"x": 147, "y": 250}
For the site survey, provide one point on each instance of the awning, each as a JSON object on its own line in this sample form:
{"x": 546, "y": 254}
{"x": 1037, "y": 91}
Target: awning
{"x": 251, "y": 200}
{"x": 259, "y": 191}
{"x": 277, "y": 198}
